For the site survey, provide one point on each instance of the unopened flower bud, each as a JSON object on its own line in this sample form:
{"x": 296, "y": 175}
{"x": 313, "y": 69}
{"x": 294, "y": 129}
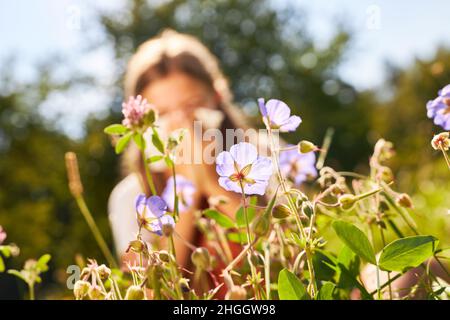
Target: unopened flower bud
{"x": 261, "y": 225}
{"x": 404, "y": 200}
{"x": 137, "y": 246}
{"x": 73, "y": 174}
{"x": 441, "y": 141}
{"x": 95, "y": 293}
{"x": 305, "y": 146}
{"x": 307, "y": 208}
{"x": 347, "y": 201}
{"x": 80, "y": 289}
{"x": 134, "y": 293}
{"x": 200, "y": 258}
{"x": 104, "y": 272}
{"x": 236, "y": 293}
{"x": 164, "y": 256}
{"x": 184, "y": 285}
{"x": 281, "y": 211}
{"x": 167, "y": 229}
{"x": 386, "y": 174}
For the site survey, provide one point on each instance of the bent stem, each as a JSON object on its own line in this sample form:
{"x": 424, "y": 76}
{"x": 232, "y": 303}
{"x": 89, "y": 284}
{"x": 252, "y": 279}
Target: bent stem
{"x": 95, "y": 231}
{"x": 291, "y": 203}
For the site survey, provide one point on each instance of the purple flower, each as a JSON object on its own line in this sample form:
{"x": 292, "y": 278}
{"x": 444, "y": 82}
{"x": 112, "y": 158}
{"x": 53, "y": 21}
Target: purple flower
{"x": 278, "y": 115}
{"x": 135, "y": 111}
{"x": 241, "y": 167}
{"x": 151, "y": 214}
{"x": 439, "y": 108}
{"x": 2, "y": 235}
{"x": 185, "y": 193}
{"x": 298, "y": 166}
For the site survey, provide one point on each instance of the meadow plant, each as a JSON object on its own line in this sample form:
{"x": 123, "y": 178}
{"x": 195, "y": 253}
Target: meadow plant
{"x": 291, "y": 203}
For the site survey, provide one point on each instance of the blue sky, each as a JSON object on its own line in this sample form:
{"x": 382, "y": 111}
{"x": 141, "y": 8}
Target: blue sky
{"x": 396, "y": 31}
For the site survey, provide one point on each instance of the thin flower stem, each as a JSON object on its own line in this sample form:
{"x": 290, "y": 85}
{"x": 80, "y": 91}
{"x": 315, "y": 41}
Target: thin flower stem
{"x": 31, "y": 290}
{"x": 175, "y": 201}
{"x": 95, "y": 231}
{"x": 295, "y": 211}
{"x": 173, "y": 269}
{"x": 148, "y": 174}
{"x": 378, "y": 283}
{"x": 447, "y": 160}
{"x": 389, "y": 273}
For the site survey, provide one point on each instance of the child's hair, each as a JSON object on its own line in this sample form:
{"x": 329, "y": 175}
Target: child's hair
{"x": 173, "y": 51}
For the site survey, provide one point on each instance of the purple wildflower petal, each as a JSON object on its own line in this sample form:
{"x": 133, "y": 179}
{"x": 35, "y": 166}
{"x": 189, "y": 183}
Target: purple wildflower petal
{"x": 140, "y": 203}
{"x": 262, "y": 107}
{"x": 261, "y": 169}
{"x": 167, "y": 220}
{"x": 277, "y": 111}
{"x": 229, "y": 185}
{"x": 185, "y": 190}
{"x": 291, "y": 124}
{"x": 157, "y": 206}
{"x": 259, "y": 187}
{"x": 243, "y": 153}
{"x": 155, "y": 226}
{"x": 225, "y": 164}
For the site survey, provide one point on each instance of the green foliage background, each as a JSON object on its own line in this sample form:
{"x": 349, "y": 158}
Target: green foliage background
{"x": 261, "y": 52}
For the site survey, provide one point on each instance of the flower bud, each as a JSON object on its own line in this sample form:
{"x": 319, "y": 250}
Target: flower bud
{"x": 281, "y": 211}
{"x": 134, "y": 293}
{"x": 164, "y": 256}
{"x": 80, "y": 289}
{"x": 404, "y": 200}
{"x": 137, "y": 246}
{"x": 307, "y": 209}
{"x": 104, "y": 272}
{"x": 95, "y": 293}
{"x": 200, "y": 258}
{"x": 386, "y": 174}
{"x": 305, "y": 146}
{"x": 347, "y": 201}
{"x": 261, "y": 225}
{"x": 184, "y": 285}
{"x": 167, "y": 229}
{"x": 441, "y": 140}
{"x": 236, "y": 293}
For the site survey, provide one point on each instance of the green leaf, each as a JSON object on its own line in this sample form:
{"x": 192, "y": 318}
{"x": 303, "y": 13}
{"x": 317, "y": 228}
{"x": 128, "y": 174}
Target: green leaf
{"x": 154, "y": 159}
{"x": 290, "y": 287}
{"x": 223, "y": 220}
{"x": 139, "y": 140}
{"x": 123, "y": 142}
{"x": 18, "y": 274}
{"x": 43, "y": 261}
{"x": 240, "y": 217}
{"x": 355, "y": 239}
{"x": 237, "y": 237}
{"x": 2, "y": 265}
{"x": 407, "y": 252}
{"x": 115, "y": 129}
{"x": 157, "y": 142}
{"x": 326, "y": 292}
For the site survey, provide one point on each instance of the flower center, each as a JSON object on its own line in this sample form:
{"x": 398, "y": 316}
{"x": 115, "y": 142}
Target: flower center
{"x": 241, "y": 175}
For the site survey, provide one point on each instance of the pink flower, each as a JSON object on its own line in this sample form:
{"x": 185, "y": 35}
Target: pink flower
{"x": 2, "y": 235}
{"x": 136, "y": 112}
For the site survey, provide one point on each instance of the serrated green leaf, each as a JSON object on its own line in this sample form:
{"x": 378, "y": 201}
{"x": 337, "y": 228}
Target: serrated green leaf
{"x": 355, "y": 239}
{"x": 407, "y": 252}
{"x": 326, "y": 291}
{"x": 290, "y": 287}
{"x": 115, "y": 129}
{"x": 157, "y": 142}
{"x": 123, "y": 142}
{"x": 139, "y": 140}
{"x": 237, "y": 237}
{"x": 223, "y": 220}
{"x": 153, "y": 159}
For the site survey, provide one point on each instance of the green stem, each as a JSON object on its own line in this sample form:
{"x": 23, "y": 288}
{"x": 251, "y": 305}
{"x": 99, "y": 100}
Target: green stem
{"x": 95, "y": 231}
{"x": 148, "y": 174}
{"x": 295, "y": 211}
{"x": 31, "y": 289}
{"x": 173, "y": 269}
{"x": 447, "y": 160}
